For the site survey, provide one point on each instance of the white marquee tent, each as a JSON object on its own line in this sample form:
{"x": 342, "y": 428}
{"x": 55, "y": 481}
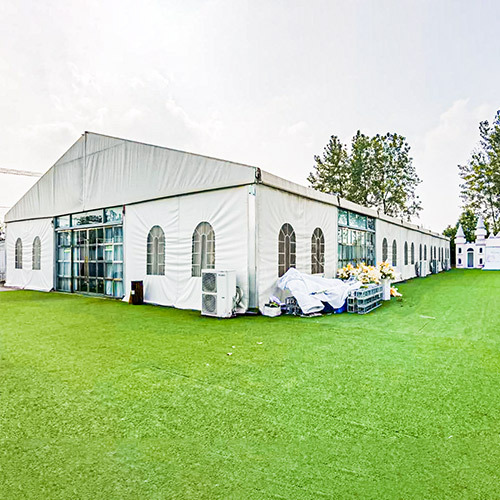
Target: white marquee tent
{"x": 111, "y": 211}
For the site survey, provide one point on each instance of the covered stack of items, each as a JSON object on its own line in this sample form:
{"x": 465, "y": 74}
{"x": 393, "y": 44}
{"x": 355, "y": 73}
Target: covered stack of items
{"x": 312, "y": 294}
{"x": 359, "y": 289}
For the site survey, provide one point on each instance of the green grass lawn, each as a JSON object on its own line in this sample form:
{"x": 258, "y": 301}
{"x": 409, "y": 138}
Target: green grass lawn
{"x": 103, "y": 400}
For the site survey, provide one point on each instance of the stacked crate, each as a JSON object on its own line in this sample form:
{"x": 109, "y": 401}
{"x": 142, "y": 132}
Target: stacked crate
{"x": 364, "y": 300}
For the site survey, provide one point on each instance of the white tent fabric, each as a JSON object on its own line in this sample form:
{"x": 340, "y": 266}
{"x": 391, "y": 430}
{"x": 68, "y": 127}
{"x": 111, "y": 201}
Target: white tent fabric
{"x": 26, "y": 277}
{"x": 311, "y": 291}
{"x": 492, "y": 253}
{"x": 225, "y": 210}
{"x": 3, "y": 260}
{"x": 100, "y": 171}
{"x": 177, "y": 190}
{"x": 275, "y": 208}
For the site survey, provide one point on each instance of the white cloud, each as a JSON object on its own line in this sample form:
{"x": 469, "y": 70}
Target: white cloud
{"x": 437, "y": 156}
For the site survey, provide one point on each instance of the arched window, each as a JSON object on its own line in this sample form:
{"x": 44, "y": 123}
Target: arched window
{"x": 425, "y": 252}
{"x": 317, "y": 252}
{"x": 19, "y": 254}
{"x": 203, "y": 248}
{"x": 156, "y": 251}
{"x": 385, "y": 251}
{"x": 286, "y": 249}
{"x": 420, "y": 252}
{"x": 413, "y": 253}
{"x": 394, "y": 253}
{"x": 406, "y": 253}
{"x": 37, "y": 254}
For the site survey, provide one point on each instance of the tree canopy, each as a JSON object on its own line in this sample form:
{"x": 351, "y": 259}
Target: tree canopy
{"x": 377, "y": 172}
{"x": 480, "y": 188}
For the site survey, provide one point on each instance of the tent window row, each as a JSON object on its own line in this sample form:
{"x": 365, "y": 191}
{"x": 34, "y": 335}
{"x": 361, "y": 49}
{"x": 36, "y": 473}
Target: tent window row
{"x": 36, "y": 254}
{"x": 203, "y": 250}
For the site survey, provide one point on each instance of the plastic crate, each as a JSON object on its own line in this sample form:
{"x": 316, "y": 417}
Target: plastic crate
{"x": 365, "y": 300}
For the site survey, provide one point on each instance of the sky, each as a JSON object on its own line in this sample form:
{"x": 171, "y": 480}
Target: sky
{"x": 262, "y": 82}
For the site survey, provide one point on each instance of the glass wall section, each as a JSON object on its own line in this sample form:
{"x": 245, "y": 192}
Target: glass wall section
{"x": 356, "y": 238}
{"x": 113, "y": 214}
{"x": 87, "y": 218}
{"x": 90, "y": 259}
{"x": 63, "y": 265}
{"x": 63, "y": 221}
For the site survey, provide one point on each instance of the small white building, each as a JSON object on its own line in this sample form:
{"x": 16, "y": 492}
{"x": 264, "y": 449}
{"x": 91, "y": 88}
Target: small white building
{"x": 484, "y": 253}
{"x": 111, "y": 211}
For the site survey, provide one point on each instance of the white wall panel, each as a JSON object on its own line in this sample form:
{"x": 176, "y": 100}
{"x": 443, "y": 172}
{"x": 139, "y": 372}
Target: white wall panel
{"x": 26, "y": 277}
{"x": 275, "y": 208}
{"x": 225, "y": 210}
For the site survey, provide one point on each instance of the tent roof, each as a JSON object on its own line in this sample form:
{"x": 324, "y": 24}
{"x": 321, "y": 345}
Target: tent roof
{"x": 101, "y": 171}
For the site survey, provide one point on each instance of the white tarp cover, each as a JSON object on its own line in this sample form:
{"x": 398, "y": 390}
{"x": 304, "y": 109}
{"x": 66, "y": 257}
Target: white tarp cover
{"x": 311, "y": 291}
{"x": 26, "y": 277}
{"x": 226, "y": 210}
{"x": 100, "y": 171}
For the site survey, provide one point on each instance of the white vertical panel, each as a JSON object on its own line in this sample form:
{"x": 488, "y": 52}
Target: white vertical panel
{"x": 225, "y": 210}
{"x": 26, "y": 277}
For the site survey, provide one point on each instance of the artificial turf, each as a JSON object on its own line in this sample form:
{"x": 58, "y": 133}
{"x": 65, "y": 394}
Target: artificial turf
{"x": 104, "y": 400}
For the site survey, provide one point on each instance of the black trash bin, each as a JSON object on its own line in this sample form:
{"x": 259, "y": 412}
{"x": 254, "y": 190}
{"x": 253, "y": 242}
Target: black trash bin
{"x": 136, "y": 293}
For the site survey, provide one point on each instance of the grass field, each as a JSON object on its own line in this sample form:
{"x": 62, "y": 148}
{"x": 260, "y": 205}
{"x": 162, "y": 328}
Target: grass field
{"x": 102, "y": 400}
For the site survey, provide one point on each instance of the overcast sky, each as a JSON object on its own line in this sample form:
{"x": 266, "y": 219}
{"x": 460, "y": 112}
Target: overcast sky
{"x": 260, "y": 82}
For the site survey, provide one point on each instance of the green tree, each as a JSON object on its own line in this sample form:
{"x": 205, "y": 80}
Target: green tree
{"x": 481, "y": 175}
{"x": 394, "y": 179}
{"x": 360, "y": 170}
{"x": 377, "y": 173}
{"x": 331, "y": 170}
{"x": 451, "y": 232}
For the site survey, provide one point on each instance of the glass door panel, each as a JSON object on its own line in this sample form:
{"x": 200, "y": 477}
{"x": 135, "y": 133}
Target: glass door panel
{"x": 90, "y": 260}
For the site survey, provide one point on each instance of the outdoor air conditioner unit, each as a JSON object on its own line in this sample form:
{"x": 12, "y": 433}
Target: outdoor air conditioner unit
{"x": 218, "y": 292}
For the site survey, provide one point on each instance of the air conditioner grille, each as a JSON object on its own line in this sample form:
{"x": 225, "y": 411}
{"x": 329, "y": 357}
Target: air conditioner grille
{"x": 209, "y": 282}
{"x": 209, "y": 303}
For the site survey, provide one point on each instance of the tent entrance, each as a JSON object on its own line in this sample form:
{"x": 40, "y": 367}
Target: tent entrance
{"x": 90, "y": 260}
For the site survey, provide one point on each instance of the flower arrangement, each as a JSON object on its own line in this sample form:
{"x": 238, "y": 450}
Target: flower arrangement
{"x": 395, "y": 293}
{"x": 362, "y": 272}
{"x": 345, "y": 272}
{"x": 386, "y": 271}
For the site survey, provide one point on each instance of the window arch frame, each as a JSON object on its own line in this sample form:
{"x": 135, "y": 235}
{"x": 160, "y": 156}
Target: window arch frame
{"x": 18, "y": 254}
{"x": 385, "y": 250}
{"x": 412, "y": 253}
{"x": 406, "y": 253}
{"x": 36, "y": 254}
{"x": 394, "y": 260}
{"x": 317, "y": 251}
{"x": 425, "y": 252}
{"x": 287, "y": 249}
{"x": 155, "y": 252}
{"x": 420, "y": 252}
{"x": 202, "y": 249}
